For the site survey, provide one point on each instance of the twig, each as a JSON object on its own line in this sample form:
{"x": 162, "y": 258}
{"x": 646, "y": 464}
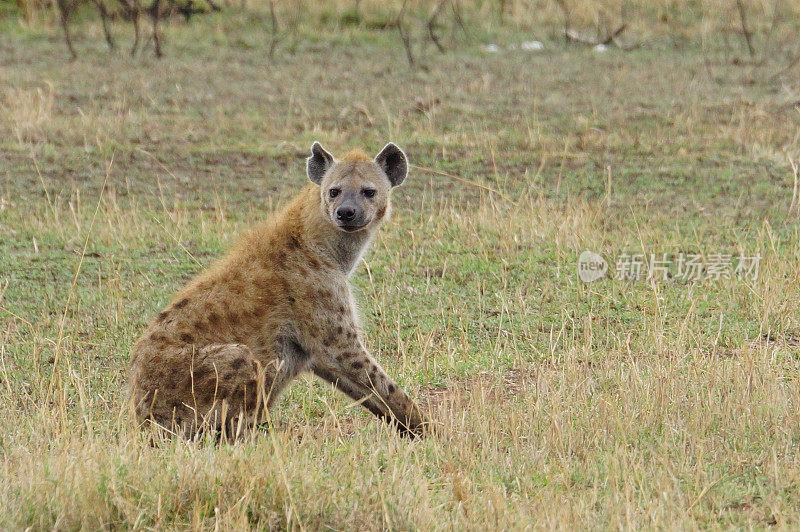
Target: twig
{"x": 136, "y": 33}
{"x": 20, "y": 318}
{"x": 155, "y": 13}
{"x": 616, "y": 33}
{"x": 794, "y": 166}
{"x": 73, "y": 288}
{"x": 186, "y": 9}
{"x": 133, "y": 9}
{"x": 460, "y": 180}
{"x": 176, "y": 239}
{"x": 608, "y": 39}
{"x": 404, "y": 34}
{"x": 457, "y": 17}
{"x": 64, "y": 10}
{"x": 707, "y": 64}
{"x": 745, "y": 31}
{"x": 709, "y": 487}
{"x": 101, "y": 7}
{"x": 274, "y": 30}
{"x": 432, "y": 25}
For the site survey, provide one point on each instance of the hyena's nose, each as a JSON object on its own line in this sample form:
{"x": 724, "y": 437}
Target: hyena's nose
{"x": 345, "y": 214}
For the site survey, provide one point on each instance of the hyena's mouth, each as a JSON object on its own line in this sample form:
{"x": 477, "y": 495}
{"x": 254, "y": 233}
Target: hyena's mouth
{"x": 350, "y": 227}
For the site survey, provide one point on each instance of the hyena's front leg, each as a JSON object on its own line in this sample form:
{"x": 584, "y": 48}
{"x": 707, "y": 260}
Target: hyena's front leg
{"x": 355, "y": 372}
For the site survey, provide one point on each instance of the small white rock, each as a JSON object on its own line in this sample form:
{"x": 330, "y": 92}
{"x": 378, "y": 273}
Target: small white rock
{"x": 492, "y": 48}
{"x": 532, "y": 45}
{"x": 600, "y": 48}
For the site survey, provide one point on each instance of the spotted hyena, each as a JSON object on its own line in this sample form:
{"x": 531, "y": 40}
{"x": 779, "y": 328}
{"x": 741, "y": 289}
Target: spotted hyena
{"x": 276, "y": 305}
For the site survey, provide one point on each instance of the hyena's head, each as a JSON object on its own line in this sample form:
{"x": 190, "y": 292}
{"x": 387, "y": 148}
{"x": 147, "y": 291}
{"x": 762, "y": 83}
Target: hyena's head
{"x": 356, "y": 189}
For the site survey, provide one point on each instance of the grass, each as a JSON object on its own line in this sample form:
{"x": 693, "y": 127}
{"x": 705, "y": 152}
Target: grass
{"x": 615, "y": 404}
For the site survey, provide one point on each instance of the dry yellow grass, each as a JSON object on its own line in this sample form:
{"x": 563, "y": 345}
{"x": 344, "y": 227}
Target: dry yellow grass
{"x": 564, "y": 405}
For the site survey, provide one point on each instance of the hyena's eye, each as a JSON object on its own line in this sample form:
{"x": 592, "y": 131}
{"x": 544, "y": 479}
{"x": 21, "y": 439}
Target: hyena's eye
{"x": 368, "y": 192}
{"x": 334, "y": 192}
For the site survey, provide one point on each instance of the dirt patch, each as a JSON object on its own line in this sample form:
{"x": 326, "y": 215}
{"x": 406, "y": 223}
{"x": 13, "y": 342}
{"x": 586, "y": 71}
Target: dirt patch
{"x": 780, "y": 338}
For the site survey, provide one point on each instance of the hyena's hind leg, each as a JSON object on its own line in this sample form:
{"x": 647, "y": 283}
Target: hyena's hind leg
{"x": 219, "y": 388}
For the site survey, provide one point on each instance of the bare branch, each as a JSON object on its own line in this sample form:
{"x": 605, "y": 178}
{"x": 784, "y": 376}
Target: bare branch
{"x": 155, "y": 13}
{"x": 614, "y": 34}
{"x": 432, "y": 25}
{"x": 133, "y": 10}
{"x": 101, "y": 7}
{"x": 745, "y": 31}
{"x": 404, "y": 36}
{"x": 65, "y": 9}
{"x": 795, "y": 202}
{"x": 457, "y": 17}
{"x": 274, "y": 30}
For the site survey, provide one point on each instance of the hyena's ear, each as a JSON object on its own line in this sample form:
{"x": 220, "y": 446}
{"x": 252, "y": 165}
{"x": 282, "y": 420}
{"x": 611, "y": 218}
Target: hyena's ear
{"x": 393, "y": 162}
{"x": 318, "y": 163}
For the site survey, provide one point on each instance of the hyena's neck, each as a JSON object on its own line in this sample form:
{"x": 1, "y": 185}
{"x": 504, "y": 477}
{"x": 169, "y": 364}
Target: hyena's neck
{"x": 341, "y": 248}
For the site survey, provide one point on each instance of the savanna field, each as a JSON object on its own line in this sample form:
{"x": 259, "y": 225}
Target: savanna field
{"x": 617, "y": 404}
